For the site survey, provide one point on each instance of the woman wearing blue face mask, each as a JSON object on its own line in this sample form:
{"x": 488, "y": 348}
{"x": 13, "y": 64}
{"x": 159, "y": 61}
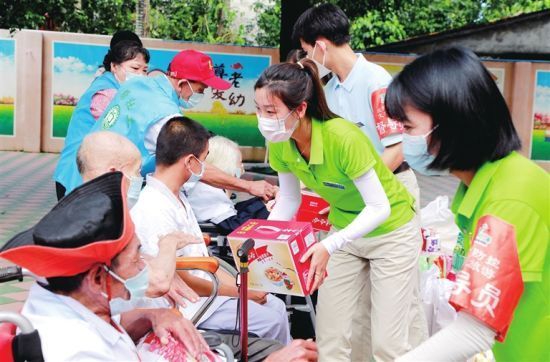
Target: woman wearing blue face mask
{"x": 125, "y": 59}
{"x": 457, "y": 121}
{"x": 375, "y": 241}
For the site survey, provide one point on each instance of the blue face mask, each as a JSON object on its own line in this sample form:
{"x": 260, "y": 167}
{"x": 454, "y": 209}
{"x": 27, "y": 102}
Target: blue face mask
{"x": 415, "y": 152}
{"x": 193, "y": 100}
{"x": 136, "y": 182}
{"x": 136, "y": 286}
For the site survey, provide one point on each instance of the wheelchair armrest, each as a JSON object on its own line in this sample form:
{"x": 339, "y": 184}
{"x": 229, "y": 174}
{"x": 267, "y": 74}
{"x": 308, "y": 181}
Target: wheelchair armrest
{"x": 202, "y": 263}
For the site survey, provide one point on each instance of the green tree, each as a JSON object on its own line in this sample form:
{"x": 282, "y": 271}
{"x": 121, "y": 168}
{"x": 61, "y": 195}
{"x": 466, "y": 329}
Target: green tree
{"x": 269, "y": 23}
{"x": 194, "y": 20}
{"x": 376, "y": 22}
{"x": 105, "y": 16}
{"x": 376, "y": 28}
{"x": 39, "y": 14}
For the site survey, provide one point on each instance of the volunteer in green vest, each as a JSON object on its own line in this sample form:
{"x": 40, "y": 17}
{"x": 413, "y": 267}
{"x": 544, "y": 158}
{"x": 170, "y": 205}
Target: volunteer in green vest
{"x": 376, "y": 233}
{"x": 457, "y": 120}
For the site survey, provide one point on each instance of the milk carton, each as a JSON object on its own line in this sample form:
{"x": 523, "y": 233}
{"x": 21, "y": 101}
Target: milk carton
{"x": 309, "y": 211}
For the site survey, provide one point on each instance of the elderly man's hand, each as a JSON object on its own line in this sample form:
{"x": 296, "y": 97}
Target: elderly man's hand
{"x": 297, "y": 351}
{"x": 262, "y": 189}
{"x": 170, "y": 321}
{"x": 179, "y": 290}
{"x": 181, "y": 239}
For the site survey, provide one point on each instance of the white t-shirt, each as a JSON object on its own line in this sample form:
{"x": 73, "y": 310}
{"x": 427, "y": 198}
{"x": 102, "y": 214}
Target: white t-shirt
{"x": 159, "y": 212}
{"x": 71, "y": 332}
{"x": 210, "y": 203}
{"x": 352, "y": 99}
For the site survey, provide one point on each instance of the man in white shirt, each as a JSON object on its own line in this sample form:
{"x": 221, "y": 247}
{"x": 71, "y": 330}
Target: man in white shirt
{"x": 356, "y": 92}
{"x": 87, "y": 250}
{"x": 103, "y": 152}
{"x": 182, "y": 146}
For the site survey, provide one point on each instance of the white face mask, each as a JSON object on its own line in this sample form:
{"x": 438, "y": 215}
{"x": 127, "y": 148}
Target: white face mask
{"x": 136, "y": 183}
{"x": 323, "y": 70}
{"x": 275, "y": 130}
{"x": 193, "y": 100}
{"x": 195, "y": 177}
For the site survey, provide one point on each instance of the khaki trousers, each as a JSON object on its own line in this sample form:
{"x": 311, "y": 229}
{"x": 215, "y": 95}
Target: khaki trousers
{"x": 384, "y": 271}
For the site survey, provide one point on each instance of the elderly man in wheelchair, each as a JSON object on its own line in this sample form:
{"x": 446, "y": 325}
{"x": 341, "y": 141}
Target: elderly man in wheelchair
{"x": 87, "y": 251}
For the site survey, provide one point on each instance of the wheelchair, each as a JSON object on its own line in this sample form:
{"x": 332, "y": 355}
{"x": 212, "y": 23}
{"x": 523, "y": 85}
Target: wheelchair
{"x": 26, "y": 345}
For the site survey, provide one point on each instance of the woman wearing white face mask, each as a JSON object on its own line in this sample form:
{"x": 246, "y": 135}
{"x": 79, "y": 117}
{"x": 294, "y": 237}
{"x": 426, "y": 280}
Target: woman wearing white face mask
{"x": 376, "y": 232}
{"x": 462, "y": 125}
{"x": 124, "y": 60}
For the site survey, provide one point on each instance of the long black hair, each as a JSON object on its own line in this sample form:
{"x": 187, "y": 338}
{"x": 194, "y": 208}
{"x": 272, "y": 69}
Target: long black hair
{"x": 472, "y": 119}
{"x": 294, "y": 83}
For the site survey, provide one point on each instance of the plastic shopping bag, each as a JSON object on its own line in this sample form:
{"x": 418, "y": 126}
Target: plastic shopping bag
{"x": 437, "y": 216}
{"x": 435, "y": 293}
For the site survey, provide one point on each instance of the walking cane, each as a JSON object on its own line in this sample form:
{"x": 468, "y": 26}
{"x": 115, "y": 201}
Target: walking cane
{"x": 242, "y": 253}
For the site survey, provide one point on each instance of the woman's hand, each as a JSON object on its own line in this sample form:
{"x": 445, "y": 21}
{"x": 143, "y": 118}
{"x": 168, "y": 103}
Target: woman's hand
{"x": 319, "y": 259}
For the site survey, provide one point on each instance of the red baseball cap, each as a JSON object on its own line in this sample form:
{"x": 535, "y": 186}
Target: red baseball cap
{"x": 198, "y": 67}
{"x": 90, "y": 225}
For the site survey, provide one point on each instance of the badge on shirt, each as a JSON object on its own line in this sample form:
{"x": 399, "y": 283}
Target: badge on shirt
{"x": 334, "y": 185}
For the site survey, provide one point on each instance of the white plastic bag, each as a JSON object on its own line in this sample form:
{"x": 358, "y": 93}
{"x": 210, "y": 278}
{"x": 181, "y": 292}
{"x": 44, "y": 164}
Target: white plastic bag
{"x": 438, "y": 216}
{"x": 435, "y": 293}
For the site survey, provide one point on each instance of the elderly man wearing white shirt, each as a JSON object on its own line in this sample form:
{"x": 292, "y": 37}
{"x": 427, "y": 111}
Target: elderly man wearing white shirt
{"x": 182, "y": 146}
{"x": 87, "y": 250}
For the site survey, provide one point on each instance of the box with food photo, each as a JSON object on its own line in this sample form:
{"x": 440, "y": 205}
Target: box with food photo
{"x": 274, "y": 263}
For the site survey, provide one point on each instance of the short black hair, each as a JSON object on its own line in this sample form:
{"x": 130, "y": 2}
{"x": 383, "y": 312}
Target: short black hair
{"x": 326, "y": 20}
{"x": 179, "y": 137}
{"x": 455, "y": 89}
{"x": 65, "y": 285}
{"x": 122, "y": 51}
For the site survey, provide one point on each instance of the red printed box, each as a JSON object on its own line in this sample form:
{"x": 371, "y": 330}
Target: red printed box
{"x": 309, "y": 211}
{"x": 274, "y": 263}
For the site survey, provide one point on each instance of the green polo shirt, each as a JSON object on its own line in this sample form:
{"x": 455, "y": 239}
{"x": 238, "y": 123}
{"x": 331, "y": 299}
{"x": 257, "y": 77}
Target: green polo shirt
{"x": 516, "y": 190}
{"x": 340, "y": 153}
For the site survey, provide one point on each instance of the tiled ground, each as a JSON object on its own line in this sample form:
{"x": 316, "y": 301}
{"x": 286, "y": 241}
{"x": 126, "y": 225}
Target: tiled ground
{"x": 27, "y": 192}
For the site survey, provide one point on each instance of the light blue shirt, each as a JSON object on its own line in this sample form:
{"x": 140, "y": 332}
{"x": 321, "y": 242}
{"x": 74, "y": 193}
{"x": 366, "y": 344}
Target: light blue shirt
{"x": 352, "y": 99}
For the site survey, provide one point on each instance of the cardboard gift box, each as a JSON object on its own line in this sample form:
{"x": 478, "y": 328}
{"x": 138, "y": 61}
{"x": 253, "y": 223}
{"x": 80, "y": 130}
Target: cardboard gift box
{"x": 274, "y": 263}
{"x": 309, "y": 211}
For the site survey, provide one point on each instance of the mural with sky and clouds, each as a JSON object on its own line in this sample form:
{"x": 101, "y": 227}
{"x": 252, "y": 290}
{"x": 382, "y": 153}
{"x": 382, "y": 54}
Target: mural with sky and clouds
{"x": 7, "y": 90}
{"x": 540, "y": 146}
{"x": 229, "y": 113}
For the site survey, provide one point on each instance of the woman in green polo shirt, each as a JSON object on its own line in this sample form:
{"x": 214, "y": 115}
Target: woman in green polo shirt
{"x": 456, "y": 120}
{"x": 375, "y": 242}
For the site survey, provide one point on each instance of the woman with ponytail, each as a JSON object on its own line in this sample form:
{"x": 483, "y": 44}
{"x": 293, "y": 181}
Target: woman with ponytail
{"x": 376, "y": 233}
{"x": 125, "y": 59}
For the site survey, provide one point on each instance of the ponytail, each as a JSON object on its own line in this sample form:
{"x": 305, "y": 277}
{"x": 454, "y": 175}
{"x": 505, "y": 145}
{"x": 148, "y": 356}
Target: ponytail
{"x": 294, "y": 83}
